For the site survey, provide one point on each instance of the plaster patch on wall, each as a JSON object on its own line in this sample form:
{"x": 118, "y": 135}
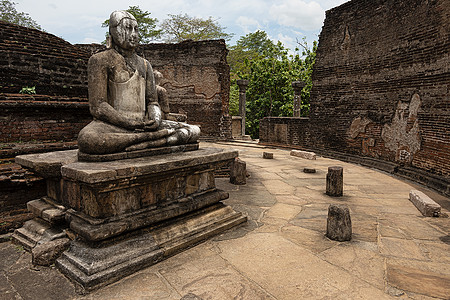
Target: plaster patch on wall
{"x": 346, "y": 40}
{"x": 358, "y": 126}
{"x": 203, "y": 79}
{"x": 280, "y": 133}
{"x": 402, "y": 135}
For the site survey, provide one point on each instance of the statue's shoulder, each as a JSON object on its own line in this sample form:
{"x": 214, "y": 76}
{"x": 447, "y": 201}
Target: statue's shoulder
{"x": 106, "y": 57}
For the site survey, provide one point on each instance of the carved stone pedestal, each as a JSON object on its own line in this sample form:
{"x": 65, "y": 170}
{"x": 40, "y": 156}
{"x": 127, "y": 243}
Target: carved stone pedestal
{"x": 129, "y": 214}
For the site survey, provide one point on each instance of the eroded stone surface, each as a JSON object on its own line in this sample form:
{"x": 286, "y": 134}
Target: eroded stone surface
{"x": 335, "y": 181}
{"x": 419, "y": 281}
{"x": 424, "y": 204}
{"x": 339, "y": 223}
{"x": 304, "y": 154}
{"x": 268, "y": 155}
{"x": 238, "y": 172}
{"x": 46, "y": 253}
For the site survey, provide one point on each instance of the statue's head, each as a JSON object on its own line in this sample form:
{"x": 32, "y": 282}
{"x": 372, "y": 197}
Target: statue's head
{"x": 123, "y": 30}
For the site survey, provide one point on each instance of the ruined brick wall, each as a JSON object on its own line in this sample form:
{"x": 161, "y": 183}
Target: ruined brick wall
{"x": 196, "y": 77}
{"x": 381, "y": 79}
{"x": 381, "y": 84}
{"x": 285, "y": 131}
{"x": 31, "y": 57}
{"x": 41, "y": 118}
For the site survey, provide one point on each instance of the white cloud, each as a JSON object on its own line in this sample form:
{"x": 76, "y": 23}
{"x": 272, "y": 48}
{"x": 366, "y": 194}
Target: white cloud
{"x": 298, "y": 14}
{"x": 89, "y": 40}
{"x": 246, "y": 23}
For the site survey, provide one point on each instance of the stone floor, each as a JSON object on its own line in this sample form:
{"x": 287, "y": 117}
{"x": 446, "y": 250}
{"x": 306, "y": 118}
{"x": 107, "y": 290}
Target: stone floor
{"x": 282, "y": 253}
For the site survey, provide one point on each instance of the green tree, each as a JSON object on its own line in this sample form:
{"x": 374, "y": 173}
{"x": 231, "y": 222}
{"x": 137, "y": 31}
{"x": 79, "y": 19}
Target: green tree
{"x": 146, "y": 25}
{"x": 178, "y": 28}
{"x": 9, "y": 14}
{"x": 248, "y": 47}
{"x": 270, "y": 92}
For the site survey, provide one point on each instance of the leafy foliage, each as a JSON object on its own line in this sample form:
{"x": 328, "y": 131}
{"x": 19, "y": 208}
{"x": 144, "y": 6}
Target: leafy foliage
{"x": 178, "y": 28}
{"x": 247, "y": 48}
{"x": 28, "y": 90}
{"x": 270, "y": 74}
{"x": 146, "y": 25}
{"x": 9, "y": 14}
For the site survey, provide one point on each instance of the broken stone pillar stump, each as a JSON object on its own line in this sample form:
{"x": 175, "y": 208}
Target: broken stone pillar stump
{"x": 339, "y": 223}
{"x": 129, "y": 214}
{"x": 335, "y": 181}
{"x": 268, "y": 155}
{"x": 309, "y": 170}
{"x": 238, "y": 172}
{"x": 424, "y": 204}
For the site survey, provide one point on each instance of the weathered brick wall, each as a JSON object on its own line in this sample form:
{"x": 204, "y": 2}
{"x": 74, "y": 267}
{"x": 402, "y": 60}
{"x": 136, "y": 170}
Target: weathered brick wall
{"x": 31, "y": 57}
{"x": 382, "y": 80}
{"x": 41, "y": 118}
{"x": 196, "y": 77}
{"x": 285, "y": 130}
{"x": 196, "y": 74}
{"x": 381, "y": 84}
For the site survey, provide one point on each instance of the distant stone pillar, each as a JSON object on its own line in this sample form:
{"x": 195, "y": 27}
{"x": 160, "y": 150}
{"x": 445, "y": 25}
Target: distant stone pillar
{"x": 242, "y": 83}
{"x": 298, "y": 87}
{"x": 335, "y": 181}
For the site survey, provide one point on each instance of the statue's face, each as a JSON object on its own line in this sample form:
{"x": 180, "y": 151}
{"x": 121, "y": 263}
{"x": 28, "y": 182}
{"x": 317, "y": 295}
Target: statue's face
{"x": 126, "y": 34}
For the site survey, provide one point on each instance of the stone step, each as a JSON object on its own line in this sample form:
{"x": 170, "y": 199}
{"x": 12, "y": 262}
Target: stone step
{"x": 22, "y": 237}
{"x": 36, "y": 231}
{"x": 48, "y": 210}
{"x": 93, "y": 267}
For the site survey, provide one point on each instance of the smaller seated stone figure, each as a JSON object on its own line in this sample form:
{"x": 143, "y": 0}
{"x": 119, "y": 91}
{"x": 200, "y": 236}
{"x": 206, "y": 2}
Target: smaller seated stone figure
{"x": 163, "y": 101}
{"x": 123, "y": 99}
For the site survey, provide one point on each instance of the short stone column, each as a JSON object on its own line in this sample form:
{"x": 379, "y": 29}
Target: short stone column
{"x": 298, "y": 87}
{"x": 268, "y": 155}
{"x": 335, "y": 181}
{"x": 339, "y": 223}
{"x": 243, "y": 84}
{"x": 238, "y": 172}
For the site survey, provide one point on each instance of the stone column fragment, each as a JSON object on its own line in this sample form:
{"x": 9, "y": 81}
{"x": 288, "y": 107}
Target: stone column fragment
{"x": 242, "y": 83}
{"x": 238, "y": 172}
{"x": 298, "y": 87}
{"x": 335, "y": 181}
{"x": 339, "y": 223}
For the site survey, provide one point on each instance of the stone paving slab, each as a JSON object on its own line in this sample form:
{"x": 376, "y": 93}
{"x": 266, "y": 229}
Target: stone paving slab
{"x": 282, "y": 252}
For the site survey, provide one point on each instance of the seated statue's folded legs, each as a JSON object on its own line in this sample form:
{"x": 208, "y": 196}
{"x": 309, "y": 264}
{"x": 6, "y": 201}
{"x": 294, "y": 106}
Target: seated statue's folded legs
{"x": 184, "y": 133}
{"x": 148, "y": 144}
{"x": 102, "y": 138}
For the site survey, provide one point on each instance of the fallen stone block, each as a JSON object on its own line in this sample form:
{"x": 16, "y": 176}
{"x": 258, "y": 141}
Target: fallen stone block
{"x": 339, "y": 223}
{"x": 335, "y": 181}
{"x": 268, "y": 155}
{"x": 303, "y": 154}
{"x": 238, "y": 172}
{"x": 424, "y": 204}
{"x": 46, "y": 253}
{"x": 309, "y": 170}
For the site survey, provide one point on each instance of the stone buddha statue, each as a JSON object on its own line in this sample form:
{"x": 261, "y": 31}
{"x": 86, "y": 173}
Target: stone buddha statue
{"x": 123, "y": 99}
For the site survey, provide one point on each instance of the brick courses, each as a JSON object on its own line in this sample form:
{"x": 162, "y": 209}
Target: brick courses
{"x": 382, "y": 71}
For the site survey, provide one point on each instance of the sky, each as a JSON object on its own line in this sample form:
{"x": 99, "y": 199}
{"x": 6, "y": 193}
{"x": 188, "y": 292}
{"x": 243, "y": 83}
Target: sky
{"x": 79, "y": 21}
